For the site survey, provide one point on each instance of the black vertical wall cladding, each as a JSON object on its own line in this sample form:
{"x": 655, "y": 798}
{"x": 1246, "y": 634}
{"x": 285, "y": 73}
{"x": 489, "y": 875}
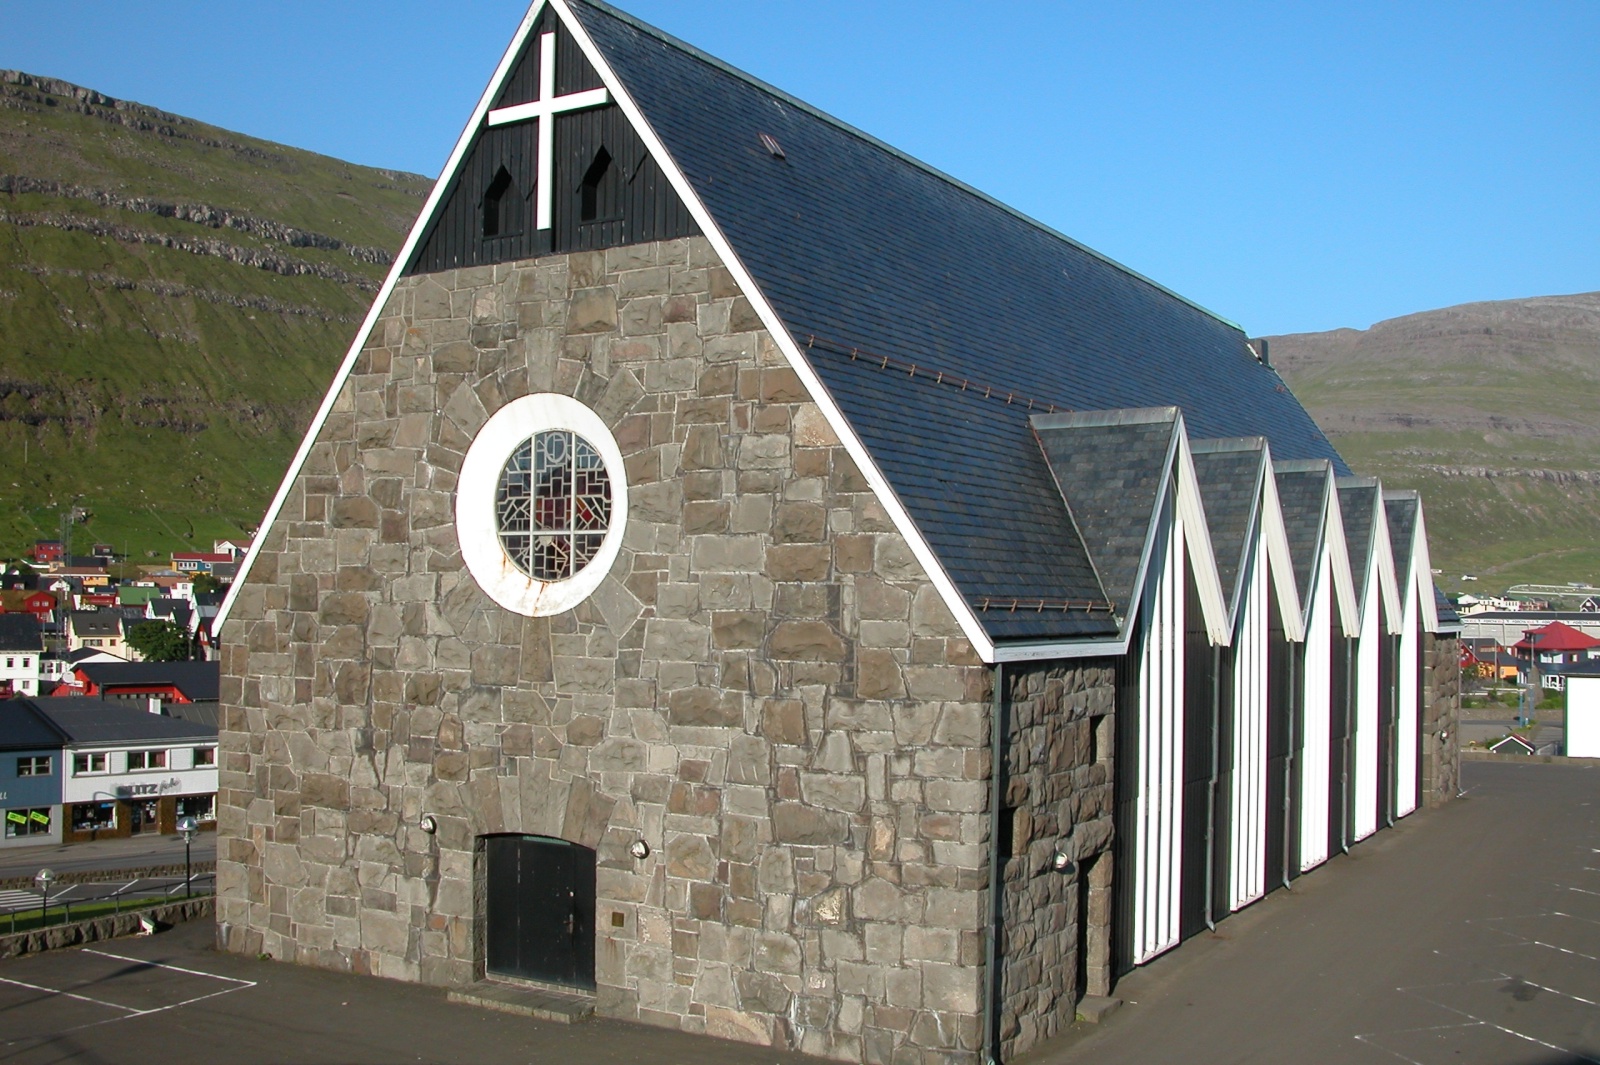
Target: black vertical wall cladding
{"x": 1222, "y": 827}
{"x": 635, "y": 202}
{"x": 1125, "y": 789}
{"x": 1280, "y": 741}
{"x": 1199, "y": 725}
{"x": 1388, "y": 657}
{"x": 1339, "y": 797}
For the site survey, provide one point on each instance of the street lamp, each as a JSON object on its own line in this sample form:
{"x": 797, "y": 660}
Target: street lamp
{"x": 189, "y": 827}
{"x": 42, "y": 880}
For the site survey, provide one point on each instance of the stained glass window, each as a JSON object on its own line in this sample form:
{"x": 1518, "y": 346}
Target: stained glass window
{"x": 553, "y": 505}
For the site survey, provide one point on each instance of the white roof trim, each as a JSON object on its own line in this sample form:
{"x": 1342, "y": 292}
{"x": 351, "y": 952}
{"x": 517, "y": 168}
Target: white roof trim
{"x": 1383, "y": 558}
{"x": 418, "y": 228}
{"x": 1131, "y": 610}
{"x": 971, "y": 627}
{"x": 1197, "y": 534}
{"x": 1333, "y": 542}
{"x": 1276, "y": 537}
{"x": 1422, "y": 569}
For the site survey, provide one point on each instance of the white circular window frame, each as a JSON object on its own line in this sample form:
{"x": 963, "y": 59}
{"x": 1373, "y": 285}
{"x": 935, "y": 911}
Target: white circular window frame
{"x": 477, "y": 525}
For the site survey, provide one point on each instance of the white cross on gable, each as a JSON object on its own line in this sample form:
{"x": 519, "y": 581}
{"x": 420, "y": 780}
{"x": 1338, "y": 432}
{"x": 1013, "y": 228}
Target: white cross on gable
{"x": 545, "y": 108}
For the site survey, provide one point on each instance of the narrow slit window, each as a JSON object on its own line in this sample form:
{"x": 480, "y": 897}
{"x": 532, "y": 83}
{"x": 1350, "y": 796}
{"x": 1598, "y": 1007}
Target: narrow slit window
{"x": 589, "y": 191}
{"x": 502, "y": 214}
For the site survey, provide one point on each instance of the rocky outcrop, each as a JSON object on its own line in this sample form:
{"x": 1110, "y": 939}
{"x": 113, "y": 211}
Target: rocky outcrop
{"x": 198, "y": 213}
{"x": 234, "y": 253}
{"x": 206, "y": 295}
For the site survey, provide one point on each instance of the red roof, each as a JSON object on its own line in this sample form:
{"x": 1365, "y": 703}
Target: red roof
{"x": 200, "y": 556}
{"x": 1556, "y": 636}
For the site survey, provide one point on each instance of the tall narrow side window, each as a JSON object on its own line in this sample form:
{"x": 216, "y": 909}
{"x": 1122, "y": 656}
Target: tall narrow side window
{"x": 502, "y": 206}
{"x": 589, "y": 192}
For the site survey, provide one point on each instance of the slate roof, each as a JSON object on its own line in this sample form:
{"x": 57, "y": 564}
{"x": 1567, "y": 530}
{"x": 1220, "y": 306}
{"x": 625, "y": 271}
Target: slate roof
{"x": 23, "y": 727}
{"x": 20, "y": 632}
{"x": 1108, "y": 468}
{"x": 860, "y": 248}
{"x": 1228, "y": 472}
{"x": 199, "y": 681}
{"x": 107, "y": 722}
{"x": 84, "y": 653}
{"x": 97, "y": 622}
{"x": 1303, "y": 498}
{"x": 1401, "y": 512}
{"x": 1358, "y": 496}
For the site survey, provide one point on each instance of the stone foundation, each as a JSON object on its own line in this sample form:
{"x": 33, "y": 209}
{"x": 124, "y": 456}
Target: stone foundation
{"x": 1058, "y": 800}
{"x": 1441, "y": 715}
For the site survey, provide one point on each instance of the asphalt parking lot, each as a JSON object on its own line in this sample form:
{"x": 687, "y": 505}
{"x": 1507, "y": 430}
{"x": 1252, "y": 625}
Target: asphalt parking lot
{"x": 1468, "y": 935}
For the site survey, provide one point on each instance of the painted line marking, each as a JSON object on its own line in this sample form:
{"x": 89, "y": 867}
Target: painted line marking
{"x": 174, "y": 968}
{"x": 130, "y": 1012}
{"x": 70, "y": 994}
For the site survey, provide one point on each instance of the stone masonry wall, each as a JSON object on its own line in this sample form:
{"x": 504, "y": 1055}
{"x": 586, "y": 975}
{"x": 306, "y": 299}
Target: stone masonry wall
{"x": 1058, "y": 797}
{"x": 766, "y": 688}
{"x": 1441, "y": 718}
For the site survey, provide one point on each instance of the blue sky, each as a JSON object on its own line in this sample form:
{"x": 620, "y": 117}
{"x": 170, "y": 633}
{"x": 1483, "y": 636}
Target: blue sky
{"x": 1291, "y": 165}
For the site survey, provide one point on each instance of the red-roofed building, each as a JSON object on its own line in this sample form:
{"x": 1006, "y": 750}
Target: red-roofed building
{"x": 1556, "y": 644}
{"x": 198, "y": 561}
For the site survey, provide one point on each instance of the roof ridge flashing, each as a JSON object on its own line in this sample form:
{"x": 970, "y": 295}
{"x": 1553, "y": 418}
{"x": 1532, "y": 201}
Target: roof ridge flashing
{"x": 1401, "y": 495}
{"x": 668, "y": 39}
{"x": 1100, "y": 418}
{"x": 1356, "y": 482}
{"x": 1235, "y": 444}
{"x": 1302, "y": 466}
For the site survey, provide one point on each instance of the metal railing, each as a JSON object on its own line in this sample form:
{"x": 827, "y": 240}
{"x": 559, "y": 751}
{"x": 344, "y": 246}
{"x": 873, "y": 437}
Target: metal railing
{"x": 123, "y": 895}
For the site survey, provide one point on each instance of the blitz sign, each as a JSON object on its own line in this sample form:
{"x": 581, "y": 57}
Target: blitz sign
{"x": 133, "y": 791}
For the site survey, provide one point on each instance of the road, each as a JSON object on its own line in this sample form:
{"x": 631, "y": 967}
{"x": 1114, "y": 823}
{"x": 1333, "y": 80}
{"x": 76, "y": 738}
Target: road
{"x": 135, "y": 852}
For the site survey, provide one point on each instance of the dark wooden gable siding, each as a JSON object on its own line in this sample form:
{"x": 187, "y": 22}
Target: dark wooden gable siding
{"x": 634, "y": 203}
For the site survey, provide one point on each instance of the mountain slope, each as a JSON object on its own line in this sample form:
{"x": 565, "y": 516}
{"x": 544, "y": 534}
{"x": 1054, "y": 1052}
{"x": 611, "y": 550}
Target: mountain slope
{"x": 174, "y": 298}
{"x": 1491, "y": 409}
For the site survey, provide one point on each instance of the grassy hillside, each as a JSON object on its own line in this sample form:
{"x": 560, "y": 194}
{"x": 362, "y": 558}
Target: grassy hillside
{"x": 173, "y": 300}
{"x": 1492, "y": 410}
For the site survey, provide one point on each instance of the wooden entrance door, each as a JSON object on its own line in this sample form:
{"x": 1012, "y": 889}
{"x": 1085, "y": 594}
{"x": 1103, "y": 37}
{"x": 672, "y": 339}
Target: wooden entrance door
{"x": 540, "y": 910}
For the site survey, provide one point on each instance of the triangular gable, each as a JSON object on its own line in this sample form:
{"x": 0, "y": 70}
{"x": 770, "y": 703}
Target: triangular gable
{"x": 1111, "y": 468}
{"x": 1408, "y": 533}
{"x": 966, "y": 617}
{"x": 1243, "y": 510}
{"x": 1115, "y": 470}
{"x": 1367, "y": 533}
{"x": 1230, "y": 475}
{"x": 1314, "y": 525}
{"x": 585, "y": 182}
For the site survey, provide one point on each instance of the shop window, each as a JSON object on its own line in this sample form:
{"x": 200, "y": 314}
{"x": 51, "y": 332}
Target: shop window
{"x": 28, "y": 822}
{"x": 199, "y": 807}
{"x": 205, "y": 756}
{"x": 94, "y": 816}
{"x": 37, "y": 765}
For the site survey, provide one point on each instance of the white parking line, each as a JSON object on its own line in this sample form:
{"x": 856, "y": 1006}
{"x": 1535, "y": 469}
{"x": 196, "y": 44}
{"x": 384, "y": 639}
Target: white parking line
{"x": 130, "y": 1012}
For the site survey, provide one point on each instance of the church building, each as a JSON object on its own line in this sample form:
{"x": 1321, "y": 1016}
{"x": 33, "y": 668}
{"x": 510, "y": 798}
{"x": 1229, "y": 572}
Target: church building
{"x": 751, "y": 583}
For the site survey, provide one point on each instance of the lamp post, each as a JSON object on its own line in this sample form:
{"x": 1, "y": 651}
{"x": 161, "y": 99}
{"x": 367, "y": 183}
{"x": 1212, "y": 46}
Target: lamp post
{"x": 188, "y": 826}
{"x": 42, "y": 880}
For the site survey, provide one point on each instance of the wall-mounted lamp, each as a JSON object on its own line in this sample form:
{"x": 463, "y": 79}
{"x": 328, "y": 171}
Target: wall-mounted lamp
{"x": 1061, "y": 862}
{"x": 428, "y": 823}
{"x": 639, "y": 849}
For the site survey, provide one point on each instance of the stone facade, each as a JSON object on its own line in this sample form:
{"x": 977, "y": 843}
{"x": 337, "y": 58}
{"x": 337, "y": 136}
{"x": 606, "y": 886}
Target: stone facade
{"x": 1441, "y": 718}
{"x": 766, "y": 689}
{"x": 1058, "y": 798}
